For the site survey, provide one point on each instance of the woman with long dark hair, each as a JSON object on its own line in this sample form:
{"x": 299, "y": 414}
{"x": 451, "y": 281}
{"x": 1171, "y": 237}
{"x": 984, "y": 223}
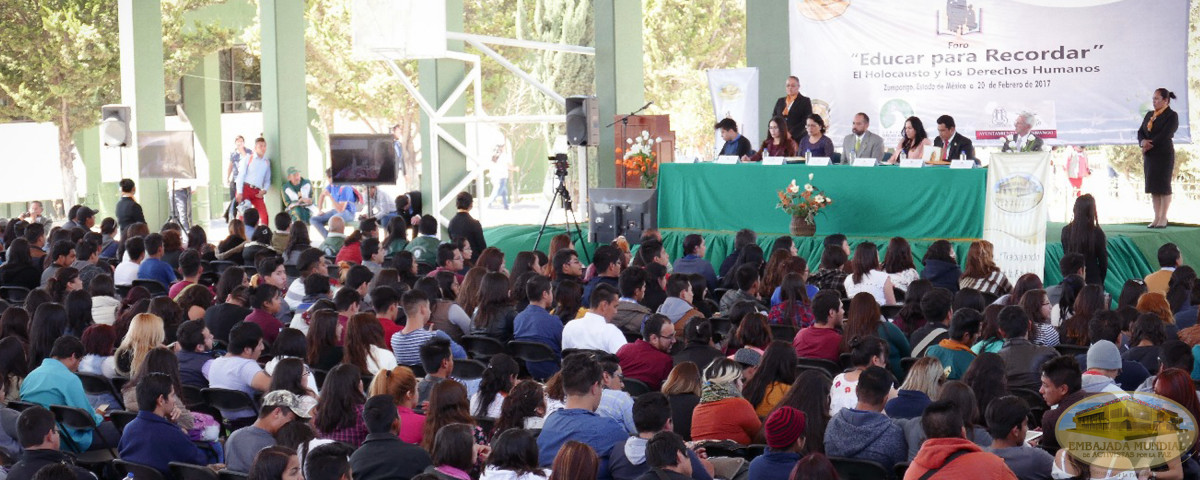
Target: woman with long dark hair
{"x": 48, "y": 324}
{"x": 1145, "y": 345}
{"x": 1158, "y": 153}
{"x": 989, "y": 332}
{"x": 868, "y": 277}
{"x": 809, "y": 393}
{"x": 14, "y": 322}
{"x": 1037, "y": 306}
{"x": 14, "y": 365}
{"x": 523, "y": 408}
{"x": 770, "y": 384}
{"x": 365, "y": 346}
{"x": 864, "y": 318}
{"x": 64, "y": 281}
{"x": 910, "y": 318}
{"x": 750, "y": 255}
{"x": 276, "y": 463}
{"x": 19, "y": 270}
{"x": 406, "y": 267}
{"x": 496, "y": 313}
{"x": 986, "y": 377}
{"x": 568, "y": 301}
{"x": 323, "y": 332}
{"x": 230, "y": 279}
{"x": 795, "y": 308}
{"x": 1180, "y": 289}
{"x": 865, "y": 351}
{"x": 913, "y": 141}
{"x": 898, "y": 264}
{"x": 1088, "y": 303}
{"x": 79, "y": 312}
{"x": 1085, "y": 237}
{"x": 236, "y": 237}
{"x": 525, "y": 262}
{"x": 941, "y": 266}
{"x": 492, "y": 260}
{"x": 773, "y": 279}
{"x": 468, "y": 291}
{"x": 779, "y": 142}
{"x": 448, "y": 404}
{"x": 298, "y": 241}
{"x": 514, "y": 457}
{"x": 454, "y": 455}
{"x": 338, "y": 414}
{"x": 291, "y": 343}
{"x": 293, "y": 375}
{"x": 497, "y": 380}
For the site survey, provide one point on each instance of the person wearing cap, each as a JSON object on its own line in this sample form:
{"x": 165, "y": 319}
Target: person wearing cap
{"x": 85, "y": 218}
{"x": 1103, "y": 365}
{"x": 278, "y": 408}
{"x": 749, "y": 359}
{"x": 152, "y": 439}
{"x": 651, "y": 415}
{"x": 298, "y": 193}
{"x": 784, "y": 430}
{"x": 948, "y": 453}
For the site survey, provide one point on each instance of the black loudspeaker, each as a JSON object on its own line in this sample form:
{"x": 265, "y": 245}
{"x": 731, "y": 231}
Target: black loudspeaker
{"x": 583, "y": 121}
{"x": 614, "y": 212}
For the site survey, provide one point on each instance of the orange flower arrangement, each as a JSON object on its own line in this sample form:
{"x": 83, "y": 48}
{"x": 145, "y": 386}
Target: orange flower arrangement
{"x": 803, "y": 202}
{"x": 639, "y": 158}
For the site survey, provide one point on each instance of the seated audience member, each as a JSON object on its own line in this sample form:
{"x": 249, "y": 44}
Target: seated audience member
{"x": 865, "y": 352}
{"x": 822, "y": 339}
{"x": 495, "y": 315}
{"x": 735, "y": 144}
{"x": 1147, "y": 336}
{"x": 1022, "y": 359}
{"x": 497, "y": 382}
{"x": 455, "y": 452}
{"x": 449, "y": 259}
{"x": 221, "y": 318}
{"x": 722, "y": 413}
{"x": 594, "y": 331}
{"x": 647, "y": 359}
{"x": 936, "y": 307}
{"x": 748, "y": 284}
{"x": 37, "y": 431}
{"x": 336, "y": 239}
{"x": 438, "y": 361}
{"x": 693, "y": 262}
{"x": 189, "y": 266}
{"x": 126, "y": 271}
{"x": 955, "y": 351}
{"x": 1175, "y": 354}
{"x": 338, "y": 414}
{"x": 238, "y": 369}
{"x": 581, "y": 377}
{"x": 265, "y": 302}
{"x": 514, "y": 457}
{"x": 536, "y": 324}
{"x": 943, "y": 425}
{"x": 386, "y": 302}
{"x": 401, "y": 385}
{"x": 1007, "y": 424}
{"x": 1169, "y": 258}
{"x": 607, "y": 263}
{"x": 406, "y": 344}
{"x": 772, "y": 379}
{"x": 668, "y": 458}
{"x": 678, "y": 306}
{"x": 941, "y": 266}
{"x": 1060, "y": 388}
{"x": 54, "y": 383}
{"x": 742, "y": 238}
{"x": 1071, "y": 264}
{"x": 784, "y": 429}
{"x": 920, "y": 387}
{"x": 1106, "y": 325}
{"x": 961, "y": 395}
{"x": 62, "y": 255}
{"x": 329, "y": 461}
{"x": 278, "y": 409}
{"x": 195, "y": 353}
{"x": 615, "y": 402}
{"x": 153, "y": 440}
{"x": 567, "y": 267}
{"x": 309, "y": 261}
{"x": 864, "y": 432}
{"x": 1103, "y": 365}
{"x": 424, "y": 246}
{"x": 700, "y": 349}
{"x": 651, "y": 415}
{"x": 153, "y": 268}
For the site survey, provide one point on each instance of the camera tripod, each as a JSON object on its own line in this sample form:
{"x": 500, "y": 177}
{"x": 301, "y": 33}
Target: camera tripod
{"x": 561, "y": 193}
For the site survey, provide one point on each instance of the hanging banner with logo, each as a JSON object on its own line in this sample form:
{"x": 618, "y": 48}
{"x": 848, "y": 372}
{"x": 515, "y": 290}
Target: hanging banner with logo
{"x": 1015, "y": 215}
{"x": 1084, "y": 70}
{"x": 735, "y": 95}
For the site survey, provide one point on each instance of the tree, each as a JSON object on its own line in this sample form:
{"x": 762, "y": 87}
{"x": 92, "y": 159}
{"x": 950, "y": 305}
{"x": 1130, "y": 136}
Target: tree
{"x": 60, "y": 62}
{"x": 185, "y": 43}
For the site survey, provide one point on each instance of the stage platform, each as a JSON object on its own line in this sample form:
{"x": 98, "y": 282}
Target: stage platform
{"x": 1132, "y": 248}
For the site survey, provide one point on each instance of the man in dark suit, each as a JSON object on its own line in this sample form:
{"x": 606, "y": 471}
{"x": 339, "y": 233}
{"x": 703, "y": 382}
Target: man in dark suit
{"x": 958, "y": 144}
{"x": 465, "y": 226}
{"x": 794, "y": 107}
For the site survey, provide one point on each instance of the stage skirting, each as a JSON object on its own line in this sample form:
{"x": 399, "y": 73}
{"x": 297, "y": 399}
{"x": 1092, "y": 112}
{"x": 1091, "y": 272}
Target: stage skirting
{"x": 886, "y": 201}
{"x": 1132, "y": 249}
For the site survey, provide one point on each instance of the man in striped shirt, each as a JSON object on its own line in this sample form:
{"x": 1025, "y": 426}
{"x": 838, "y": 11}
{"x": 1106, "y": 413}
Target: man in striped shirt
{"x": 406, "y": 343}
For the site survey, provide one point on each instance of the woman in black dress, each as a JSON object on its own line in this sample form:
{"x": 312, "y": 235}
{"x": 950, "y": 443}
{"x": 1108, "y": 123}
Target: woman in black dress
{"x": 1084, "y": 236}
{"x": 1158, "y": 153}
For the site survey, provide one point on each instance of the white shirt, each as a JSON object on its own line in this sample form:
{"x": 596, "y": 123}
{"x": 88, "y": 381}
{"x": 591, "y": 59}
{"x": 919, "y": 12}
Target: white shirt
{"x": 125, "y": 273}
{"x": 872, "y": 283}
{"x": 381, "y": 359}
{"x": 592, "y": 332}
{"x": 900, "y": 280}
{"x": 842, "y": 394}
{"x": 295, "y": 293}
{"x": 270, "y": 369}
{"x": 493, "y": 410}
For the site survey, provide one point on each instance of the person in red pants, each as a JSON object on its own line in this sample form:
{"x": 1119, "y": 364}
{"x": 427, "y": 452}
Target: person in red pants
{"x": 254, "y": 177}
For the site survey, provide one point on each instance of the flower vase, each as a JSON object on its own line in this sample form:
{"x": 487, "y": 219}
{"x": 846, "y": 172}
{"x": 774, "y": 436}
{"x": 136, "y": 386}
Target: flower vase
{"x": 801, "y": 227}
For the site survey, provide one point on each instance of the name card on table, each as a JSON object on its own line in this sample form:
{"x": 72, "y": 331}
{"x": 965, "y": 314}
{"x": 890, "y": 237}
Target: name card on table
{"x": 727, "y": 159}
{"x": 772, "y": 161}
{"x": 962, "y": 164}
{"x": 864, "y": 162}
{"x": 818, "y": 161}
{"x": 911, "y": 163}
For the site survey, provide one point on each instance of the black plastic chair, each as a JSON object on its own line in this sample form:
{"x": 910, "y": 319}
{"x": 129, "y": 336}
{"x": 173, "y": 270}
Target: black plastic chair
{"x": 527, "y": 352}
{"x": 854, "y": 469}
{"x": 890, "y": 311}
{"x": 122, "y": 290}
{"x": 900, "y": 469}
{"x": 187, "y": 471}
{"x": 906, "y": 364}
{"x": 468, "y": 369}
{"x": 785, "y": 333}
{"x": 319, "y": 376}
{"x": 119, "y": 382}
{"x": 139, "y": 471}
{"x": 635, "y": 387}
{"x": 293, "y": 271}
{"x": 14, "y": 295}
{"x": 232, "y": 475}
{"x": 631, "y": 337}
{"x": 156, "y": 288}
{"x": 482, "y": 347}
{"x": 99, "y": 385}
{"x": 844, "y": 359}
{"x": 1071, "y": 350}
{"x": 831, "y": 368}
{"x": 80, "y": 419}
{"x": 418, "y": 370}
{"x": 219, "y": 266}
{"x": 721, "y": 326}
{"x": 209, "y": 279}
{"x": 191, "y": 396}
{"x": 1037, "y": 404}
{"x": 121, "y": 418}
{"x": 19, "y": 405}
{"x": 231, "y": 400}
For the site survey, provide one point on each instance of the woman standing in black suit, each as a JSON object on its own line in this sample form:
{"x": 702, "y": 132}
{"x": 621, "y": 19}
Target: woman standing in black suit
{"x": 1084, "y": 236}
{"x": 1158, "y": 153}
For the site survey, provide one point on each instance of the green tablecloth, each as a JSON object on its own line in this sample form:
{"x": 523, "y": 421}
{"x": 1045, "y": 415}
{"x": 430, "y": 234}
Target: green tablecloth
{"x": 882, "y": 202}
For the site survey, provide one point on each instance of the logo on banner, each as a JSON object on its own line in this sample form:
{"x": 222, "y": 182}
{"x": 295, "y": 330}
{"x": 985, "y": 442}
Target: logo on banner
{"x": 821, "y": 10}
{"x": 894, "y": 112}
{"x": 961, "y": 18}
{"x": 1019, "y": 193}
{"x": 730, "y": 92}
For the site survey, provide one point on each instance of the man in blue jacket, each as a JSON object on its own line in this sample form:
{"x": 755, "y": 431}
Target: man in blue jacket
{"x": 151, "y": 439}
{"x": 579, "y": 421}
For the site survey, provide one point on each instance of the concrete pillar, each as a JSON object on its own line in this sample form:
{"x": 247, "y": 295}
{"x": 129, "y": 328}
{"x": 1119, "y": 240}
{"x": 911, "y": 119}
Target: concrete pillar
{"x": 620, "y": 87}
{"x": 439, "y": 78}
{"x": 285, "y": 99}
{"x": 202, "y": 103}
{"x": 764, "y": 50}
{"x": 142, "y": 88}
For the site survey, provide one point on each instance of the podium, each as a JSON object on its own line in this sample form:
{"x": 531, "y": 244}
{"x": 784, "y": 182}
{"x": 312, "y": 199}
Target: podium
{"x": 659, "y": 126}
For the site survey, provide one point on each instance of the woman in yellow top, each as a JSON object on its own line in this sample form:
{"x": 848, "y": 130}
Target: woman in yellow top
{"x": 773, "y": 378}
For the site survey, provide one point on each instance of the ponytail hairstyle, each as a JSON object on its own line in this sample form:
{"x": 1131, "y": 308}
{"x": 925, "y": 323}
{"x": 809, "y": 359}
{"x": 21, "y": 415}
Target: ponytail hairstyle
{"x": 262, "y": 294}
{"x": 57, "y": 285}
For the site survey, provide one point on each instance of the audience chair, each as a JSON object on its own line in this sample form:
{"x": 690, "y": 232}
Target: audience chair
{"x": 1037, "y": 404}
{"x": 721, "y": 326}
{"x": 292, "y": 270}
{"x": 487, "y": 424}
{"x": 122, "y": 290}
{"x": 156, "y": 288}
{"x": 635, "y": 387}
{"x": 232, "y": 475}
{"x": 900, "y": 469}
{"x": 890, "y": 311}
{"x": 139, "y": 471}
{"x": 191, "y": 396}
{"x": 229, "y": 400}
{"x": 19, "y": 405}
{"x": 1071, "y": 350}
{"x": 119, "y": 382}
{"x": 209, "y": 279}
{"x": 829, "y": 367}
{"x": 187, "y": 471}
{"x": 631, "y": 337}
{"x": 468, "y": 369}
{"x": 989, "y": 298}
{"x": 844, "y": 359}
{"x": 855, "y": 469}
{"x": 99, "y": 385}
{"x": 14, "y": 295}
{"x": 571, "y": 351}
{"x": 121, "y": 418}
{"x": 319, "y": 376}
{"x": 250, "y": 270}
{"x": 906, "y": 364}
{"x": 482, "y": 347}
{"x": 527, "y": 352}
{"x": 418, "y": 370}
{"x": 783, "y": 332}
{"x": 80, "y": 419}
{"x": 219, "y": 266}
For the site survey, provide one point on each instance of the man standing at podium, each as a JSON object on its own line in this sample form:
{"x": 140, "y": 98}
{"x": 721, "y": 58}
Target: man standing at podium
{"x": 1024, "y": 140}
{"x": 794, "y": 107}
{"x": 861, "y": 142}
{"x": 952, "y": 144}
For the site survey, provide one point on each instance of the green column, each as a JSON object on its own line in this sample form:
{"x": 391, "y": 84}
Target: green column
{"x": 764, "y": 50}
{"x": 202, "y": 103}
{"x": 142, "y": 89}
{"x": 285, "y": 99}
{"x": 620, "y": 86}
{"x": 438, "y": 79}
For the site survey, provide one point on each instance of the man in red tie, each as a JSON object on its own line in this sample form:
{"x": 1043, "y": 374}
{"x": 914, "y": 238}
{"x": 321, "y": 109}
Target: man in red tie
{"x": 952, "y": 144}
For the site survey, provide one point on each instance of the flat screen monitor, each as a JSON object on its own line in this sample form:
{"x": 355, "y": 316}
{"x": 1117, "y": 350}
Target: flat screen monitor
{"x": 363, "y": 159}
{"x": 621, "y": 211}
{"x": 166, "y": 154}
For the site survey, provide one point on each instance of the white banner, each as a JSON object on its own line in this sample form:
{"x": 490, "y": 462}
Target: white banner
{"x": 735, "y": 95}
{"x": 1014, "y": 219}
{"x": 1085, "y": 69}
